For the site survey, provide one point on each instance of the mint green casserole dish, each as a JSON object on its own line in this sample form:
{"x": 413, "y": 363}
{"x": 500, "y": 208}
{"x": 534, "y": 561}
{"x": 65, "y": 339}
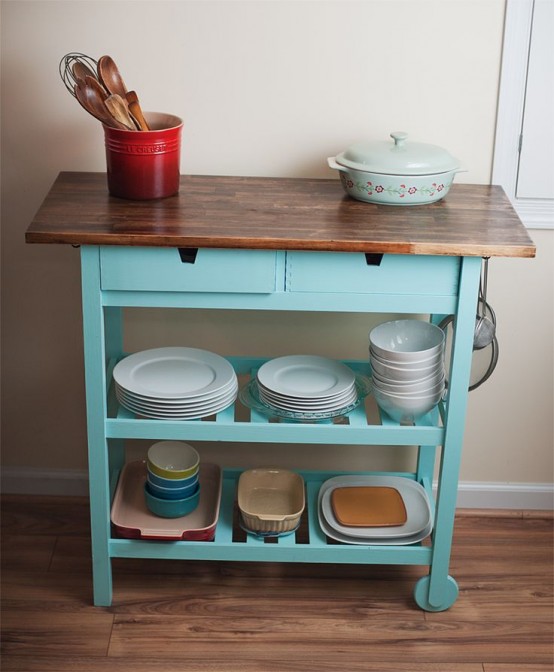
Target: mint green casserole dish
{"x": 396, "y": 173}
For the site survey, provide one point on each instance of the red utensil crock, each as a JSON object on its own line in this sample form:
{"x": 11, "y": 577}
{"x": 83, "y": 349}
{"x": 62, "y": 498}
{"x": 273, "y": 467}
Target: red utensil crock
{"x": 145, "y": 165}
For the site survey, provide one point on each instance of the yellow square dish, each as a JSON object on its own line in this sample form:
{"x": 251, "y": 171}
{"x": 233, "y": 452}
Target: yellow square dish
{"x": 368, "y": 506}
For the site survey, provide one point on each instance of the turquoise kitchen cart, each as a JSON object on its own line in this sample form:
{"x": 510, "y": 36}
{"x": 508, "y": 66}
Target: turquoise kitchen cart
{"x": 276, "y": 244}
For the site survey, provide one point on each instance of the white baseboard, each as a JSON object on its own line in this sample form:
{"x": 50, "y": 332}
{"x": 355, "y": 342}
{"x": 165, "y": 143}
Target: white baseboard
{"x": 66, "y": 482}
{"x": 522, "y": 496}
{"x": 471, "y": 495}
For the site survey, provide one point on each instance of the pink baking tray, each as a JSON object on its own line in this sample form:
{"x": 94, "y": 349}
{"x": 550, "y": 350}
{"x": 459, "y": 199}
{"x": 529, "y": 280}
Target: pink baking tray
{"x": 132, "y": 520}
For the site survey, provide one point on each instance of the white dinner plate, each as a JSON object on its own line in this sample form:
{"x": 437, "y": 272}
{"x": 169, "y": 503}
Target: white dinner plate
{"x": 188, "y": 414}
{"x": 288, "y": 397}
{"x": 269, "y": 395}
{"x": 125, "y": 399}
{"x": 250, "y": 397}
{"x": 177, "y": 403}
{"x": 153, "y": 415}
{"x": 173, "y": 373}
{"x": 315, "y": 406}
{"x": 305, "y": 376}
{"x": 418, "y": 508}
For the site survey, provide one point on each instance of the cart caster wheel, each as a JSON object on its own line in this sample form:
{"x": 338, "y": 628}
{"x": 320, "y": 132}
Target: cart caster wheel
{"x": 421, "y": 594}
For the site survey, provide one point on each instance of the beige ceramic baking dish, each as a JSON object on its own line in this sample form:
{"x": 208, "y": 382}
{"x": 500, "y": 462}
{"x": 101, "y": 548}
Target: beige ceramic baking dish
{"x": 271, "y": 501}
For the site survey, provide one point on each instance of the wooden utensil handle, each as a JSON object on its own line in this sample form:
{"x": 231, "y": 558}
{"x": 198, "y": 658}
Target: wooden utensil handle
{"x": 135, "y": 110}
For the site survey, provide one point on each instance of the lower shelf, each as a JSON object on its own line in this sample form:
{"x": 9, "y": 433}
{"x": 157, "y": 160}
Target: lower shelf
{"x": 308, "y": 544}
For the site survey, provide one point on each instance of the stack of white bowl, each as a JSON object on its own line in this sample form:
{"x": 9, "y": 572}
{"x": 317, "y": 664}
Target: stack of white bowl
{"x": 407, "y": 362}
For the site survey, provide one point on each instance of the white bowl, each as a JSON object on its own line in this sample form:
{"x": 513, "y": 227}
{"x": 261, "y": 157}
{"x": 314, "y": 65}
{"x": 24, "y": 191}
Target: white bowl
{"x": 436, "y": 373}
{"x": 399, "y": 374}
{"x": 406, "y": 408}
{"x": 411, "y": 364}
{"x": 417, "y": 388}
{"x": 427, "y": 392}
{"x": 406, "y": 340}
{"x": 408, "y": 401}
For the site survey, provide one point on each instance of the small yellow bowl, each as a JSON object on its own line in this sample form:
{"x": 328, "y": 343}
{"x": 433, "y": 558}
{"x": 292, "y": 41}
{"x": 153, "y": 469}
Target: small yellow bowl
{"x": 173, "y": 459}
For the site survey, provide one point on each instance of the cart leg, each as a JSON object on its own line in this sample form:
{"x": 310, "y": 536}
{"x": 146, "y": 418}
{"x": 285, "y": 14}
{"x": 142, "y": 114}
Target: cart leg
{"x": 438, "y": 591}
{"x": 96, "y": 348}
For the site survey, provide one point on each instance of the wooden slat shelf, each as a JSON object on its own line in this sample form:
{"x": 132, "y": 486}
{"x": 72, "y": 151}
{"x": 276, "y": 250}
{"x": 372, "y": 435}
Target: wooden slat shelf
{"x": 308, "y": 544}
{"x": 237, "y": 423}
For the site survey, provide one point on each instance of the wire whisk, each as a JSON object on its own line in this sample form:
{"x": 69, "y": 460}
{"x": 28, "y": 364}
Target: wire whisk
{"x": 74, "y": 67}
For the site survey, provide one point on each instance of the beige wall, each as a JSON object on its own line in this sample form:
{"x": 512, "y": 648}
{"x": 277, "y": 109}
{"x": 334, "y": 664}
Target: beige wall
{"x": 265, "y": 88}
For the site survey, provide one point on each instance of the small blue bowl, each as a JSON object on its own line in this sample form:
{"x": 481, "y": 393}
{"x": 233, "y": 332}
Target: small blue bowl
{"x": 172, "y": 493}
{"x": 171, "y": 508}
{"x": 171, "y": 483}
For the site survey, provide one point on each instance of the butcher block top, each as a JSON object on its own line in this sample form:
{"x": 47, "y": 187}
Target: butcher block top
{"x": 281, "y": 214}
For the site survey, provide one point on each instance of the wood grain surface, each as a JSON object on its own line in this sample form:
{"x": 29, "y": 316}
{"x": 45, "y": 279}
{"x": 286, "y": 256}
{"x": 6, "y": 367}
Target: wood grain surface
{"x": 280, "y": 213}
{"x": 169, "y": 616}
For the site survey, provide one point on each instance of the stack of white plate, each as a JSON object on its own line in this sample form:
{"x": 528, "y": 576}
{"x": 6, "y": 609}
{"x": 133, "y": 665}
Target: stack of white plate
{"x": 407, "y": 362}
{"x": 418, "y": 520}
{"x": 175, "y": 383}
{"x": 306, "y": 384}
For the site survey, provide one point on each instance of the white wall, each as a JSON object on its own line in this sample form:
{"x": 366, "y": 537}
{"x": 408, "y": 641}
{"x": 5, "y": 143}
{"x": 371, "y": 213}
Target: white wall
{"x": 265, "y": 88}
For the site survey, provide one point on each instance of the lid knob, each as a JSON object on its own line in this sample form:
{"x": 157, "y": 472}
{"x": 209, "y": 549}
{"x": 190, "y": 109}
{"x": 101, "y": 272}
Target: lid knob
{"x": 399, "y": 138}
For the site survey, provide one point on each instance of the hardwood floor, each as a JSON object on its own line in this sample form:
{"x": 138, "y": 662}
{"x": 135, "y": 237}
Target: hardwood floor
{"x": 224, "y": 617}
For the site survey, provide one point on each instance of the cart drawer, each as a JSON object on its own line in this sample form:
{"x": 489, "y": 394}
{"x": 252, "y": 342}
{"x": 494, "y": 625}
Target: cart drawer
{"x": 170, "y": 269}
{"x": 372, "y": 274}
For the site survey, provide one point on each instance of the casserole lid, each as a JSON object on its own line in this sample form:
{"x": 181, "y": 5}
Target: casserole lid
{"x": 398, "y": 158}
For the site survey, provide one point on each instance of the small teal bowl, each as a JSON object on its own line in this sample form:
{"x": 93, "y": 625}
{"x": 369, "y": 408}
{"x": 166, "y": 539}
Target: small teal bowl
{"x": 171, "y": 508}
{"x": 171, "y": 483}
{"x": 172, "y": 493}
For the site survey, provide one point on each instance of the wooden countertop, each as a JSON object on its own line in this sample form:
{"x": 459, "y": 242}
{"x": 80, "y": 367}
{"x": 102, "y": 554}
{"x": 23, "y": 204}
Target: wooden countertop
{"x": 280, "y": 213}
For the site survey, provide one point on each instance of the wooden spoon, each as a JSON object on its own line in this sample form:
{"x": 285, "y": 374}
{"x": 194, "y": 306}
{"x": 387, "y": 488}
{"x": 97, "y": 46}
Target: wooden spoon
{"x": 109, "y": 75}
{"x": 94, "y": 104}
{"x": 117, "y": 107}
{"x": 81, "y": 71}
{"x": 136, "y": 111}
{"x": 94, "y": 85}
{"x": 111, "y": 78}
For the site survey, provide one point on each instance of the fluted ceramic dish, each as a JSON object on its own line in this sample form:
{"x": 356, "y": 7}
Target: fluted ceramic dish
{"x": 270, "y": 501}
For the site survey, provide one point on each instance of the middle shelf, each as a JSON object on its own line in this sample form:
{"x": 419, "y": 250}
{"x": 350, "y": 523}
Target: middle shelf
{"x": 364, "y": 425}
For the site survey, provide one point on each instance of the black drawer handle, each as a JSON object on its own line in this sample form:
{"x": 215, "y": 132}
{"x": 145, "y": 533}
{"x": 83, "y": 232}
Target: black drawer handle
{"x": 373, "y": 259}
{"x": 188, "y": 254}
